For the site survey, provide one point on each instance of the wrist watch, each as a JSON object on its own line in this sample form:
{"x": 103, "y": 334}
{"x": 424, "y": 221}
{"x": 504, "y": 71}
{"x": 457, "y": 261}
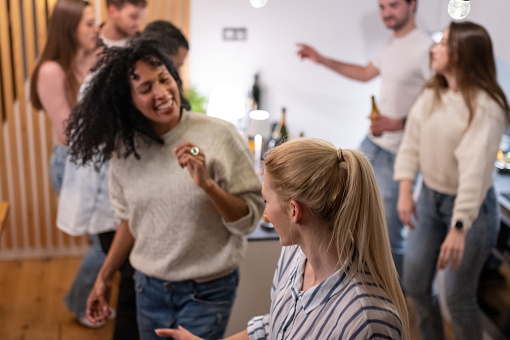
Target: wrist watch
{"x": 459, "y": 225}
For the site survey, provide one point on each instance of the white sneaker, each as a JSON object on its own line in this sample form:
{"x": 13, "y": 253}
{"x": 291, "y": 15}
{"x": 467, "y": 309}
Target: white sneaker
{"x": 87, "y": 323}
{"x": 113, "y": 313}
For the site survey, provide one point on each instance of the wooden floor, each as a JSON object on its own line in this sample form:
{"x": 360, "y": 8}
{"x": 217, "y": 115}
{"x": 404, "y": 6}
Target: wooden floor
{"x": 32, "y": 306}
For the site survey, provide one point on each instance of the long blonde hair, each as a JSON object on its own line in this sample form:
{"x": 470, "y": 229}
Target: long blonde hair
{"x": 339, "y": 189}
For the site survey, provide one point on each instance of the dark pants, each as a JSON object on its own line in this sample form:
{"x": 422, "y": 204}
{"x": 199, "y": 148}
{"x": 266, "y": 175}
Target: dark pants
{"x": 126, "y": 326}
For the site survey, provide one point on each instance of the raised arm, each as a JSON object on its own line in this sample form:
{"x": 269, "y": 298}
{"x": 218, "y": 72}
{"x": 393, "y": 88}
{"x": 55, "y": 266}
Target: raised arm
{"x": 51, "y": 89}
{"x": 352, "y": 71}
{"x": 230, "y": 207}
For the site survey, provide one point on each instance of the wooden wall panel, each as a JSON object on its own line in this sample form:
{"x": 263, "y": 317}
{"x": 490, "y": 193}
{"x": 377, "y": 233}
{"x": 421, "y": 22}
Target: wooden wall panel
{"x": 12, "y": 166}
{"x": 25, "y": 135}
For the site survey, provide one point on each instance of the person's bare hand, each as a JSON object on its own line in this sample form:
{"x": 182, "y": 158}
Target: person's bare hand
{"x": 452, "y": 250}
{"x": 381, "y": 123}
{"x": 98, "y": 307}
{"x": 178, "y": 334}
{"x": 196, "y": 164}
{"x": 406, "y": 209}
{"x": 308, "y": 52}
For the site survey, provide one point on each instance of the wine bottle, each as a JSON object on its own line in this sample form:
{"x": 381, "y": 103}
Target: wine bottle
{"x": 375, "y": 110}
{"x": 279, "y": 134}
{"x": 283, "y": 128}
{"x": 375, "y": 113}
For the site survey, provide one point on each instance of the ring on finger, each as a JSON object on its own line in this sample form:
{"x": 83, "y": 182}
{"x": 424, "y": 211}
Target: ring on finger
{"x": 195, "y": 151}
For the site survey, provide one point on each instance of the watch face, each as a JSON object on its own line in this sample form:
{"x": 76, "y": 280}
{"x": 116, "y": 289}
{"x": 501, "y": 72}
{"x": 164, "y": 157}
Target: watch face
{"x": 458, "y": 225}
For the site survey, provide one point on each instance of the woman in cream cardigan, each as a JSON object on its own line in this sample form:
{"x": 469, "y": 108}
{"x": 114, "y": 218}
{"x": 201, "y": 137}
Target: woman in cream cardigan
{"x": 452, "y": 134}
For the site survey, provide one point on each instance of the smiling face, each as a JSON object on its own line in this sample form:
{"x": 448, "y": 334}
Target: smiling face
{"x": 276, "y": 213}
{"x": 396, "y": 13}
{"x": 87, "y": 30}
{"x": 156, "y": 95}
{"x": 440, "y": 55}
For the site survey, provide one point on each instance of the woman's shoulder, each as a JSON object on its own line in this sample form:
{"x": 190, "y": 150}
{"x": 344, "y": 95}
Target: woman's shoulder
{"x": 196, "y": 117}
{"x": 368, "y": 293}
{"x": 214, "y": 126}
{"x": 50, "y": 69}
{"x": 488, "y": 109}
{"x": 51, "y": 75}
{"x": 376, "y": 307}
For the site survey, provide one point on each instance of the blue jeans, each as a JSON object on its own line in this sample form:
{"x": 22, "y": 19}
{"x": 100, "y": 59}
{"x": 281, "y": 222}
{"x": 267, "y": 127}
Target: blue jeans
{"x": 382, "y": 161}
{"x": 434, "y": 212}
{"x": 203, "y": 308}
{"x": 76, "y": 299}
{"x": 58, "y": 166}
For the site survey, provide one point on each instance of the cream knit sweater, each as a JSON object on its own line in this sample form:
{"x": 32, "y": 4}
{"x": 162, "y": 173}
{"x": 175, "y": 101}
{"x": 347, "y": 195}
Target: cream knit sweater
{"x": 179, "y": 234}
{"x": 456, "y": 157}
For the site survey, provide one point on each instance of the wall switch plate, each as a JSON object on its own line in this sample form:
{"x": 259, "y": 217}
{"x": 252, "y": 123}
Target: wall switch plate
{"x": 234, "y": 33}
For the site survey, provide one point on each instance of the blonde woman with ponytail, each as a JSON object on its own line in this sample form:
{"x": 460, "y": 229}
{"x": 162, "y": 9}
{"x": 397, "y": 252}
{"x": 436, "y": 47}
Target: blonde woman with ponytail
{"x": 335, "y": 278}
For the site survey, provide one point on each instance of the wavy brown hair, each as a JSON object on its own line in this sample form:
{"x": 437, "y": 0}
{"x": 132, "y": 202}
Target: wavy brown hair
{"x": 471, "y": 55}
{"x": 61, "y": 47}
{"x": 339, "y": 189}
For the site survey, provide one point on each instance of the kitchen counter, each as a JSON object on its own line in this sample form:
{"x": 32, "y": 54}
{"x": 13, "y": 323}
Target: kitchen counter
{"x": 264, "y": 232}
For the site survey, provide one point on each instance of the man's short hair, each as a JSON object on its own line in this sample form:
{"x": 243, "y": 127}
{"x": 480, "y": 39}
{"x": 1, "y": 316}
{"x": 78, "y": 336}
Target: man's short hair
{"x": 168, "y": 37}
{"x": 120, "y": 3}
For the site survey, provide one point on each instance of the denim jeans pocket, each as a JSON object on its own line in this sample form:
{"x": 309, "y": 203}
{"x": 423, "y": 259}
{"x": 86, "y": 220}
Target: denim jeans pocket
{"x": 140, "y": 281}
{"x": 219, "y": 292}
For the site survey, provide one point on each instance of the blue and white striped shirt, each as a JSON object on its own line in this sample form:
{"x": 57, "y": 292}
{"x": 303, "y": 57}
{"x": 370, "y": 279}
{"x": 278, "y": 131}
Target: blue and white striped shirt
{"x": 337, "y": 308}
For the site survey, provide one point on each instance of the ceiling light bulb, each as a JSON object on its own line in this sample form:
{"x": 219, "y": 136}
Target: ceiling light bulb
{"x": 459, "y": 9}
{"x": 258, "y": 3}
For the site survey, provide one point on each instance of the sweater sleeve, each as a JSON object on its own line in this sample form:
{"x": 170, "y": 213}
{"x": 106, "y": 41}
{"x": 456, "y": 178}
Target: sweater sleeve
{"x": 407, "y": 160}
{"x": 117, "y": 198}
{"x": 475, "y": 155}
{"x": 237, "y": 176}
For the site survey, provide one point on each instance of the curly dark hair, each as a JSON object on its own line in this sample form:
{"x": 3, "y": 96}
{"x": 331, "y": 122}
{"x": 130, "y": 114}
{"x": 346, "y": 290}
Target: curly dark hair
{"x": 106, "y": 119}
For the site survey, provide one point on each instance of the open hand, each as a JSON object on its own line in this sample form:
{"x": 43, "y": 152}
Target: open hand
{"x": 308, "y": 52}
{"x": 452, "y": 250}
{"x": 178, "y": 334}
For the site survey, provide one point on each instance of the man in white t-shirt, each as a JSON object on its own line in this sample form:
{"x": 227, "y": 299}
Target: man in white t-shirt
{"x": 124, "y": 19}
{"x": 403, "y": 65}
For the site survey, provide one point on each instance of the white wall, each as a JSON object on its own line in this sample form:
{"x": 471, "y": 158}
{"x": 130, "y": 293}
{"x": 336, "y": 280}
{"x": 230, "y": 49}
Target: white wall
{"x": 318, "y": 102}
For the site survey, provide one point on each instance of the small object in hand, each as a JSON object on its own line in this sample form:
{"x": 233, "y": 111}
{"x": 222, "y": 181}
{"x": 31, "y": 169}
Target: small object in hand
{"x": 194, "y": 151}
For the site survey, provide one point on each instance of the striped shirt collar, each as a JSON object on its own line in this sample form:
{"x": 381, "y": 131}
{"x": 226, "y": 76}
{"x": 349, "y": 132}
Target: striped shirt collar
{"x": 317, "y": 295}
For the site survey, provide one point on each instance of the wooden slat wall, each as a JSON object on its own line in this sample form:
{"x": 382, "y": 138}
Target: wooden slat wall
{"x": 25, "y": 135}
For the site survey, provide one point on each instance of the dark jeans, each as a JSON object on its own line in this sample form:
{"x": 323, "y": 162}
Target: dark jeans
{"x": 126, "y": 326}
